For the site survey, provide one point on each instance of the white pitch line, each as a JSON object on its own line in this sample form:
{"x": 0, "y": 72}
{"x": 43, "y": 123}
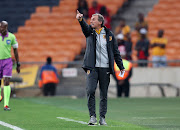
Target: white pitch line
{"x": 144, "y": 118}
{"x": 67, "y": 119}
{"x": 10, "y": 126}
{"x": 82, "y": 122}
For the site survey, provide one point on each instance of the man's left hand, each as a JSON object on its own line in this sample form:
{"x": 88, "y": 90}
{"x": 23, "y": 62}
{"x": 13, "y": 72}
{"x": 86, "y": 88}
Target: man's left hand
{"x": 122, "y": 71}
{"x": 18, "y": 69}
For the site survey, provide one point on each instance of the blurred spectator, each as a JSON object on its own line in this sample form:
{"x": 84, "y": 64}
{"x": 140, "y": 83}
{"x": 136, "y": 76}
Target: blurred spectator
{"x": 142, "y": 46}
{"x": 48, "y": 78}
{"x": 107, "y": 18}
{"x": 123, "y": 85}
{"x": 124, "y": 29}
{"x": 83, "y": 8}
{"x": 125, "y": 47}
{"x": 158, "y": 46}
{"x": 95, "y": 8}
{"x": 141, "y": 24}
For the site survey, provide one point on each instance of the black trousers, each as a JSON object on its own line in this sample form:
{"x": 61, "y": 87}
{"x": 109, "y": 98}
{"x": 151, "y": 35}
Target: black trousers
{"x": 123, "y": 88}
{"x": 103, "y": 76}
{"x": 49, "y": 88}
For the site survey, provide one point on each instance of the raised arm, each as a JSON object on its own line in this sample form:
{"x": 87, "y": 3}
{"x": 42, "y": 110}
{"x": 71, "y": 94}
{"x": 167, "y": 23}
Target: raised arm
{"x": 85, "y": 27}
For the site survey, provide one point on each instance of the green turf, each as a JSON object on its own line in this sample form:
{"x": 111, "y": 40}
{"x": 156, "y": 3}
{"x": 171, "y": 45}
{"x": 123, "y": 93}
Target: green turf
{"x": 124, "y": 114}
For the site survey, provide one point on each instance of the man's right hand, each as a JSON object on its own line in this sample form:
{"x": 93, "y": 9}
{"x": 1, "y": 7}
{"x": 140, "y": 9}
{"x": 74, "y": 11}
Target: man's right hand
{"x": 79, "y": 16}
{"x": 18, "y": 69}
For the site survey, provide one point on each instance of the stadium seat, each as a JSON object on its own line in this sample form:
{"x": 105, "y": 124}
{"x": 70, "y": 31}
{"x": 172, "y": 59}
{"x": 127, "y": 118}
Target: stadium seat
{"x": 54, "y": 33}
{"x": 112, "y": 5}
{"x": 165, "y": 15}
{"x": 43, "y": 9}
{"x": 17, "y": 11}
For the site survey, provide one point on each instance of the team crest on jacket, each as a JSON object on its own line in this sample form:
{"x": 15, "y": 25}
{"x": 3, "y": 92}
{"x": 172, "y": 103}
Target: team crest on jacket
{"x": 110, "y": 38}
{"x": 8, "y": 41}
{"x": 88, "y": 72}
{"x": 104, "y": 36}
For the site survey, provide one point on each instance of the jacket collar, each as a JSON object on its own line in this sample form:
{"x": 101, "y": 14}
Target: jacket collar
{"x": 99, "y": 31}
{"x": 5, "y": 35}
{"x": 105, "y": 28}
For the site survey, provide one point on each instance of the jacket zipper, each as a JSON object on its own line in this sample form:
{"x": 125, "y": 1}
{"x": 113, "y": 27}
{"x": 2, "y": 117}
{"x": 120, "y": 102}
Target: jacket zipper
{"x": 100, "y": 50}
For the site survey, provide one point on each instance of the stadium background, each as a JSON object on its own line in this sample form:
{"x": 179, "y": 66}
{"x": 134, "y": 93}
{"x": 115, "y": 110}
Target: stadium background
{"x": 49, "y": 28}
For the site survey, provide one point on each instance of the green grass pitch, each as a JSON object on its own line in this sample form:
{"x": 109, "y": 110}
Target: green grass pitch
{"x": 124, "y": 114}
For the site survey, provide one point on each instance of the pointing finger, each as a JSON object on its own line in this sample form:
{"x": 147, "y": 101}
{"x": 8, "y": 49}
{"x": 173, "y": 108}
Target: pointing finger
{"x": 77, "y": 12}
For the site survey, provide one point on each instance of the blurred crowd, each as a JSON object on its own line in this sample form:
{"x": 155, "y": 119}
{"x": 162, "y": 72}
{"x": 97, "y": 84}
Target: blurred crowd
{"x": 123, "y": 35}
{"x": 143, "y": 44}
{"x": 95, "y": 8}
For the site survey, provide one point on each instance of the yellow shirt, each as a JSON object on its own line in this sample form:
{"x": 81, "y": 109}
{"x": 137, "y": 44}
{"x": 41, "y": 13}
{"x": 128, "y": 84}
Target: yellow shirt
{"x": 158, "y": 51}
{"x": 142, "y": 25}
{"x": 124, "y": 31}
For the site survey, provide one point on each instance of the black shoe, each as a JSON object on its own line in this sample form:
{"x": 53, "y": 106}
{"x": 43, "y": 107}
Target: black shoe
{"x": 92, "y": 121}
{"x": 6, "y": 108}
{"x": 102, "y": 121}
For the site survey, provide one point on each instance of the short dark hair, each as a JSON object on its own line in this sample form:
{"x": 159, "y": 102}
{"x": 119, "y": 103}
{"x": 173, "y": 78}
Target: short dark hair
{"x": 100, "y": 18}
{"x": 49, "y": 60}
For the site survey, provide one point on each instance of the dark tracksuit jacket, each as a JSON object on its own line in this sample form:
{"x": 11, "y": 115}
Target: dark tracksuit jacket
{"x": 90, "y": 54}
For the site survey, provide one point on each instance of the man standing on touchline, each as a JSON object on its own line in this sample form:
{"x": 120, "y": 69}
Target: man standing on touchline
{"x": 7, "y": 40}
{"x": 101, "y": 51}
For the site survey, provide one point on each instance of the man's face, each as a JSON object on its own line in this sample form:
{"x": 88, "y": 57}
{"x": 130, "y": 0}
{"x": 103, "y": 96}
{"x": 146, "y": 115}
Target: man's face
{"x": 3, "y": 28}
{"x": 94, "y": 22}
{"x": 160, "y": 33}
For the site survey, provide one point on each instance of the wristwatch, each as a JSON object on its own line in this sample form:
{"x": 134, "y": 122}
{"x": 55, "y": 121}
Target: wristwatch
{"x": 18, "y": 64}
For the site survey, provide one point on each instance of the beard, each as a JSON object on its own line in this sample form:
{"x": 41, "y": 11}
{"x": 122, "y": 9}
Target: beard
{"x": 3, "y": 32}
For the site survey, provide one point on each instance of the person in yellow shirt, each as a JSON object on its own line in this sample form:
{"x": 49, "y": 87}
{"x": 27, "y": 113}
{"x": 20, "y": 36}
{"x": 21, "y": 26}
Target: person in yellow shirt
{"x": 158, "y": 46}
{"x": 141, "y": 23}
{"x": 123, "y": 29}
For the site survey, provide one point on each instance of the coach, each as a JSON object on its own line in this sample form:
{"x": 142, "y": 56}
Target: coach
{"x": 101, "y": 51}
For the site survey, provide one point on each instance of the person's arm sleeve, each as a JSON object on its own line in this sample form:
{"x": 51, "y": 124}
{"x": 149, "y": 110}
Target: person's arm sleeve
{"x": 128, "y": 29}
{"x": 86, "y": 29}
{"x": 117, "y": 55}
{"x": 14, "y": 43}
{"x": 166, "y": 41}
{"x": 152, "y": 41}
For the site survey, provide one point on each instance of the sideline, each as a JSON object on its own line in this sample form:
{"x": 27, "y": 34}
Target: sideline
{"x": 67, "y": 119}
{"x": 10, "y": 126}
